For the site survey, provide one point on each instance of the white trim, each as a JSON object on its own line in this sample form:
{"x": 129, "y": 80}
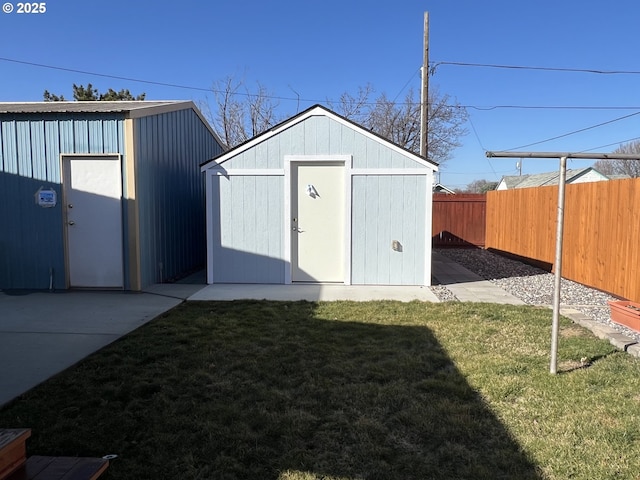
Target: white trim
{"x": 251, "y": 172}
{"x": 391, "y": 171}
{"x": 347, "y": 220}
{"x": 312, "y": 112}
{"x": 347, "y": 161}
{"x": 428, "y": 230}
{"x": 319, "y": 158}
{"x": 99, "y": 155}
{"x": 287, "y": 222}
{"x": 209, "y": 226}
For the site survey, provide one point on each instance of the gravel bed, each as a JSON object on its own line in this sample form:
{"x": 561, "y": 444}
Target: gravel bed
{"x": 531, "y": 285}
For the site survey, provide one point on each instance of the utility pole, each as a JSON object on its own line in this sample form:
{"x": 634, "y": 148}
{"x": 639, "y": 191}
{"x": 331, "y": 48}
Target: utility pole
{"x": 424, "y": 97}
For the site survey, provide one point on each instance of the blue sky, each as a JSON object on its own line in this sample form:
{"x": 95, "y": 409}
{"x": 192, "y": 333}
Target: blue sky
{"x": 318, "y": 50}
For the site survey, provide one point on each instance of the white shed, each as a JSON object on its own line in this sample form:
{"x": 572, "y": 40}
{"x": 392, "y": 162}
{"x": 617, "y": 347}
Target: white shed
{"x": 319, "y": 199}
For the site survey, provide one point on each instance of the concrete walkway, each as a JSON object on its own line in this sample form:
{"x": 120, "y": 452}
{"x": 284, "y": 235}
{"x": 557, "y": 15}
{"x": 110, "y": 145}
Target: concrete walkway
{"x": 313, "y": 292}
{"x": 466, "y": 285}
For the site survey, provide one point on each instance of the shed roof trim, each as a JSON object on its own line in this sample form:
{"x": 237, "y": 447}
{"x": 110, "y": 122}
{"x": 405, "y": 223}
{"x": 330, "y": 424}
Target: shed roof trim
{"x": 89, "y": 107}
{"x": 131, "y": 109}
{"x": 316, "y": 110}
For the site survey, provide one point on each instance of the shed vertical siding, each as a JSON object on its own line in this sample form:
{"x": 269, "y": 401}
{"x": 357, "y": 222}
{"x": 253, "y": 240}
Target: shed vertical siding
{"x": 170, "y": 193}
{"x": 388, "y": 208}
{"x": 248, "y": 229}
{"x": 32, "y": 238}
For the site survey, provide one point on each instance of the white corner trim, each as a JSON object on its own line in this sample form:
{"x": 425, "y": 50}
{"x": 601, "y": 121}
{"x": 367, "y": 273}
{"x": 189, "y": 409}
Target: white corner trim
{"x": 209, "y": 226}
{"x": 428, "y": 229}
{"x": 248, "y": 172}
{"x": 287, "y": 223}
{"x": 391, "y": 171}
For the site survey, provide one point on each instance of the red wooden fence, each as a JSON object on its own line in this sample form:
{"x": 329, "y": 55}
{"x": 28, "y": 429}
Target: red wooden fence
{"x": 459, "y": 220}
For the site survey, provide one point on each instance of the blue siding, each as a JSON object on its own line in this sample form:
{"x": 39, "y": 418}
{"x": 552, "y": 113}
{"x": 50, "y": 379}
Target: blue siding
{"x": 170, "y": 193}
{"x": 30, "y": 148}
{"x": 321, "y": 136}
{"x": 388, "y": 208}
{"x": 248, "y": 229}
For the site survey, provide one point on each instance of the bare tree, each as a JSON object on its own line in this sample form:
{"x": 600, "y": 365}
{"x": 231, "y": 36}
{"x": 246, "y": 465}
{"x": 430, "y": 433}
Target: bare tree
{"x": 400, "y": 122}
{"x": 353, "y": 107}
{"x": 241, "y": 115}
{"x": 621, "y": 167}
{"x": 481, "y": 186}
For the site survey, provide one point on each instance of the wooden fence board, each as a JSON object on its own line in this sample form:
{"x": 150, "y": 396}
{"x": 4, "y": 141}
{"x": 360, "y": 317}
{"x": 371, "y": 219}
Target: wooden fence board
{"x": 601, "y": 231}
{"x": 459, "y": 220}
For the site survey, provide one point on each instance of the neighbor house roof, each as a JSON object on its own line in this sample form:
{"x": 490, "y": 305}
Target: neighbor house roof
{"x": 545, "y": 179}
{"x": 439, "y": 188}
{"x": 309, "y": 112}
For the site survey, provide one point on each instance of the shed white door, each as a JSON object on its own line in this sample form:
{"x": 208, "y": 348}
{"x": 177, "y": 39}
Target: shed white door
{"x": 317, "y": 220}
{"x": 93, "y": 207}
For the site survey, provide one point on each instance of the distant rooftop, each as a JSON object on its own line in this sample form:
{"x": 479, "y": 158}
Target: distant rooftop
{"x": 544, "y": 179}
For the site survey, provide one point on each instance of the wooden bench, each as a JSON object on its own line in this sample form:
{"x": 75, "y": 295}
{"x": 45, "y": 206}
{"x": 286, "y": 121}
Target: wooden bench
{"x": 14, "y": 464}
{"x": 59, "y": 468}
{"x": 13, "y": 449}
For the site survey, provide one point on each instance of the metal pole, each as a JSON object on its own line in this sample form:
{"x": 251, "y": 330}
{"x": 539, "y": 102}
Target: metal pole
{"x": 558, "y": 266}
{"x": 424, "y": 96}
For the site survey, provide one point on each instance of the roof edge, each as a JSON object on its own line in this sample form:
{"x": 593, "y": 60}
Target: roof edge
{"x": 307, "y": 113}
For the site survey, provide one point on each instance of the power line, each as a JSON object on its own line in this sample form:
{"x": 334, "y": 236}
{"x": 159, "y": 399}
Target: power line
{"x": 298, "y": 99}
{"x": 405, "y": 86}
{"x": 138, "y": 80}
{"x": 550, "y": 107}
{"x": 610, "y": 144}
{"x": 573, "y": 132}
{"x": 545, "y": 69}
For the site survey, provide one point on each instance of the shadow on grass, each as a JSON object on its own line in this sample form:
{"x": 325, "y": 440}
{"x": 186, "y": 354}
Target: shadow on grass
{"x": 268, "y": 390}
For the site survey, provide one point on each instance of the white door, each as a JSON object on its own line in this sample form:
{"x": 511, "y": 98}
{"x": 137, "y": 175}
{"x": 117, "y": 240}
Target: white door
{"x": 317, "y": 220}
{"x": 93, "y": 214}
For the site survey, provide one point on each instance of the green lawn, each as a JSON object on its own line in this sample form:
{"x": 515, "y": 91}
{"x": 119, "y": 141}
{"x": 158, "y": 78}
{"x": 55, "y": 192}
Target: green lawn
{"x": 345, "y": 390}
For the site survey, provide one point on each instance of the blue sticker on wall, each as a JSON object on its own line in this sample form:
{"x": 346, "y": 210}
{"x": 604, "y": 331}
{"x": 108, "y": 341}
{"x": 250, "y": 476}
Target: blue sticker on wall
{"x": 46, "y": 197}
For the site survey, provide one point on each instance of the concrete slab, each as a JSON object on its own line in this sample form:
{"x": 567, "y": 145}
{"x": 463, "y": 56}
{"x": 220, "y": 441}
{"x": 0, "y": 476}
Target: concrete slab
{"x": 466, "y": 285}
{"x": 313, "y": 292}
{"x": 43, "y": 333}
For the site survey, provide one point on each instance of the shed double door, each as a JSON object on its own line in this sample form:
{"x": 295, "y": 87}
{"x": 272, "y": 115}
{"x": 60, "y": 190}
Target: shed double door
{"x": 93, "y": 221}
{"x": 318, "y": 222}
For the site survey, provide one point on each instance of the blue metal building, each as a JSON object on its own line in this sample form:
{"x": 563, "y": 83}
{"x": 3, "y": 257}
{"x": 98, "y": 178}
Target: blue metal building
{"x": 319, "y": 199}
{"x": 101, "y": 194}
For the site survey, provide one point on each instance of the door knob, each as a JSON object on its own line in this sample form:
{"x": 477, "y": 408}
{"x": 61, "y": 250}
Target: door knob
{"x": 72, "y": 222}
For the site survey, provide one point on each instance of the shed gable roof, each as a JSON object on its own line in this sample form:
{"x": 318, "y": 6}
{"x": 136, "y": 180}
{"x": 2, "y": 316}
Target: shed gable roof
{"x": 316, "y": 110}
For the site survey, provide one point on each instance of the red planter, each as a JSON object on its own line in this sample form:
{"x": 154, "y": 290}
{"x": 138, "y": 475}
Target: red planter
{"x": 626, "y": 313}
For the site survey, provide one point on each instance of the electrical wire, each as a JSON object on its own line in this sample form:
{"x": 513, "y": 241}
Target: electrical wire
{"x": 610, "y": 144}
{"x": 573, "y": 132}
{"x": 311, "y": 100}
{"x": 545, "y": 69}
